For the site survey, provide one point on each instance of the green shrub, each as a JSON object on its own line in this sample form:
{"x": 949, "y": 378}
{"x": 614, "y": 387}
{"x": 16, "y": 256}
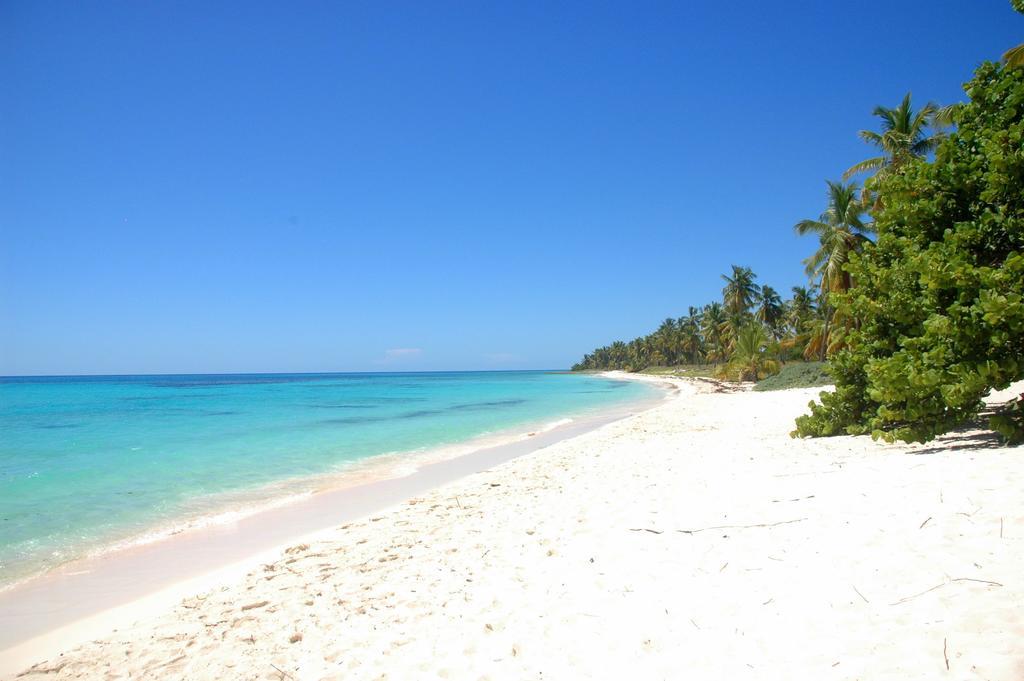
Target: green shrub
{"x": 797, "y": 375}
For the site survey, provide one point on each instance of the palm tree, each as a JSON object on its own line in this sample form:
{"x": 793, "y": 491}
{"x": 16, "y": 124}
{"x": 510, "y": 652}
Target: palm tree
{"x": 752, "y": 358}
{"x": 666, "y": 341}
{"x": 690, "y": 342}
{"x": 770, "y": 310}
{"x": 841, "y": 230}
{"x": 734, "y": 321}
{"x": 617, "y": 355}
{"x": 740, "y": 291}
{"x": 824, "y": 335}
{"x": 904, "y": 136}
{"x": 711, "y": 321}
{"x": 799, "y": 309}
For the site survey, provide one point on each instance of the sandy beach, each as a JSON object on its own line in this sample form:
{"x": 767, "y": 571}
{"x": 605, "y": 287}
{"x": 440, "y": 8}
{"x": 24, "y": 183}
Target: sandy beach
{"x": 693, "y": 540}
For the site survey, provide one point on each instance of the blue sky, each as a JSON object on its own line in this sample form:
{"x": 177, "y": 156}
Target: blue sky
{"x": 205, "y": 187}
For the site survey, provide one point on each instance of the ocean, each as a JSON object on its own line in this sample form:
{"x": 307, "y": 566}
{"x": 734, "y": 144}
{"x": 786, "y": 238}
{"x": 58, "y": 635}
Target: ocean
{"x": 90, "y": 464}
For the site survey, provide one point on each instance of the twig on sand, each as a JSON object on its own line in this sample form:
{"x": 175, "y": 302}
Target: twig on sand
{"x": 860, "y": 594}
{"x": 282, "y": 672}
{"x": 945, "y": 654}
{"x": 971, "y": 579}
{"x": 458, "y": 502}
{"x": 741, "y": 527}
{"x": 921, "y": 526}
{"x": 777, "y": 501}
{"x": 939, "y": 586}
{"x": 645, "y": 529}
{"x": 909, "y": 598}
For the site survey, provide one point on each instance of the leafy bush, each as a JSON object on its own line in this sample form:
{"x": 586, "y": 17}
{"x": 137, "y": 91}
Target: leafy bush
{"x": 797, "y": 375}
{"x": 939, "y": 299}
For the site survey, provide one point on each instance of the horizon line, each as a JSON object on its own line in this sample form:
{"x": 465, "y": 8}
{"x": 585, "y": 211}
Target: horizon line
{"x": 279, "y": 373}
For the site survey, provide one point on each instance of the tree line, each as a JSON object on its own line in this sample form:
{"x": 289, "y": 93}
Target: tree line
{"x": 752, "y": 324}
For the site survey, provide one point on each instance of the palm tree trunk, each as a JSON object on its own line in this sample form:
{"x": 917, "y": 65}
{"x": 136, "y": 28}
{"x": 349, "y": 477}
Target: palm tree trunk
{"x": 826, "y": 332}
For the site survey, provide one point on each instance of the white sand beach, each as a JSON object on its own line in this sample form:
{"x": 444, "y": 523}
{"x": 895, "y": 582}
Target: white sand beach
{"x": 694, "y": 540}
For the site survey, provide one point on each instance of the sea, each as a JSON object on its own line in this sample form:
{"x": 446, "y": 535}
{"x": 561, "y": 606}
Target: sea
{"x": 93, "y": 464}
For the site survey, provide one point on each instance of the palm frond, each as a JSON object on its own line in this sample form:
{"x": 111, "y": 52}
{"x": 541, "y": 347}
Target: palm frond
{"x": 926, "y": 145}
{"x": 871, "y": 137}
{"x": 805, "y": 227}
{"x": 946, "y": 116}
{"x": 869, "y": 165}
{"x": 1014, "y": 57}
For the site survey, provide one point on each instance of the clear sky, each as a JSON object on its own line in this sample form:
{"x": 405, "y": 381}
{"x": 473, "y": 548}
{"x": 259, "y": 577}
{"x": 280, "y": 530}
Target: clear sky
{"x": 222, "y": 187}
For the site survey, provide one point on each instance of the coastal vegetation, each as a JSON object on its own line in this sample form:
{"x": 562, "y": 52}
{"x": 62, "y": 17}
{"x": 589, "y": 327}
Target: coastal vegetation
{"x": 937, "y": 308}
{"x": 916, "y": 290}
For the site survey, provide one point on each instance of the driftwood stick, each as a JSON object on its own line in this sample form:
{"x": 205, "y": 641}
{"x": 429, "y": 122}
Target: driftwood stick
{"x": 939, "y": 586}
{"x": 909, "y": 598}
{"x": 969, "y": 579}
{"x": 282, "y": 672}
{"x": 741, "y": 527}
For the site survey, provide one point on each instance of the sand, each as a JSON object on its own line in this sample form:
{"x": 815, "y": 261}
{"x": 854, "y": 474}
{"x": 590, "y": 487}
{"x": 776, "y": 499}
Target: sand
{"x": 694, "y": 540}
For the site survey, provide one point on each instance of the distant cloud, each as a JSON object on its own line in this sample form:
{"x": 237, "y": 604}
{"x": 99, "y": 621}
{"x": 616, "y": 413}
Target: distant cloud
{"x": 398, "y": 354}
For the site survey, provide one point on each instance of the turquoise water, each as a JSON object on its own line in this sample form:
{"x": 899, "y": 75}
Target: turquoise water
{"x": 88, "y": 462}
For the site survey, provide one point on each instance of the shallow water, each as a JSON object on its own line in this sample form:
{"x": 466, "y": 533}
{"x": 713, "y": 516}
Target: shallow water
{"x": 87, "y": 463}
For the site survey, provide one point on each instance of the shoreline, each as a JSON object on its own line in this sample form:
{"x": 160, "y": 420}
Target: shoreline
{"x": 109, "y": 587}
{"x": 229, "y": 507}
